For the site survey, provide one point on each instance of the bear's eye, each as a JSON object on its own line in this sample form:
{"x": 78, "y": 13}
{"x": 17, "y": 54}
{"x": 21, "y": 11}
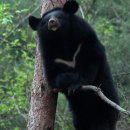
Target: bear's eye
{"x": 60, "y": 16}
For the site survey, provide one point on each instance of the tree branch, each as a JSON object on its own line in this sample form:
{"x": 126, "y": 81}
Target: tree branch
{"x": 123, "y": 73}
{"x": 99, "y": 92}
{"x": 82, "y": 12}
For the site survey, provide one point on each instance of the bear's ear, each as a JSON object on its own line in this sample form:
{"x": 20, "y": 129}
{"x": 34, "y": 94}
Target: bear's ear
{"x": 71, "y": 6}
{"x": 34, "y": 22}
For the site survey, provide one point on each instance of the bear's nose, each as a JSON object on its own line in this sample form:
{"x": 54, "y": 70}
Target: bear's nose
{"x": 53, "y": 24}
{"x": 52, "y": 21}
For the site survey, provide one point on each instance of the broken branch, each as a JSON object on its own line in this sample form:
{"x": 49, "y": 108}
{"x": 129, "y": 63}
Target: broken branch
{"x": 99, "y": 92}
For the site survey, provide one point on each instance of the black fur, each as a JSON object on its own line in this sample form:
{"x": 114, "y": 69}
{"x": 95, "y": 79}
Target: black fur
{"x": 91, "y": 68}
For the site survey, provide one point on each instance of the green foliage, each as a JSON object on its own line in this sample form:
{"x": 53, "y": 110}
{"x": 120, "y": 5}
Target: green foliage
{"x": 111, "y": 21}
{"x": 17, "y": 51}
{"x": 63, "y": 116}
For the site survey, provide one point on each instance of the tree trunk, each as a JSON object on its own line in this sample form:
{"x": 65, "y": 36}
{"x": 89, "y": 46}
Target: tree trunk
{"x": 43, "y": 101}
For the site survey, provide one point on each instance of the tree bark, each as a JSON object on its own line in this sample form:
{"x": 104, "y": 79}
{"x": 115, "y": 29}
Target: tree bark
{"x": 43, "y": 101}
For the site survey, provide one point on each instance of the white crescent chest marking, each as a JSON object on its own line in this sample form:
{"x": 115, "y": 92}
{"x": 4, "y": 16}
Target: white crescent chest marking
{"x": 69, "y": 63}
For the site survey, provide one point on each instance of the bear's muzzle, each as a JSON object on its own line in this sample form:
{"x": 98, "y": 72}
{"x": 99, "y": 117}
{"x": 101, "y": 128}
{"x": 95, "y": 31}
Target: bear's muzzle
{"x": 53, "y": 24}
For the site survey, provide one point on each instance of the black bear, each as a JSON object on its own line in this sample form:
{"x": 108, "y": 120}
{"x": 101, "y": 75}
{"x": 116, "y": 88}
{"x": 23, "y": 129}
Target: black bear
{"x": 73, "y": 56}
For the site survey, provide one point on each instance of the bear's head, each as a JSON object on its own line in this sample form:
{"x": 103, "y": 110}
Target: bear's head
{"x": 55, "y": 21}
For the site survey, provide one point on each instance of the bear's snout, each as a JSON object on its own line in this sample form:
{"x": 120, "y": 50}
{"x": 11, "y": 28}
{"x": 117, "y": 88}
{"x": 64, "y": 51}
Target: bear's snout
{"x": 53, "y": 24}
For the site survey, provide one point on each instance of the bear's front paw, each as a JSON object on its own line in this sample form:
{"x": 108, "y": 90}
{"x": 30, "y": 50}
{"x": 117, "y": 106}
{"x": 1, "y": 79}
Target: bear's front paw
{"x": 74, "y": 89}
{"x": 64, "y": 81}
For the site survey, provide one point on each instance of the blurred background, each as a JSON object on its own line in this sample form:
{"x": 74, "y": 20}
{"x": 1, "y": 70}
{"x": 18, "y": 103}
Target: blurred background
{"x": 110, "y": 19}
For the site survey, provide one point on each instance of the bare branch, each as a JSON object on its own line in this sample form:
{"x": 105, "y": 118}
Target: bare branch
{"x": 82, "y": 12}
{"x": 123, "y": 73}
{"x": 104, "y": 98}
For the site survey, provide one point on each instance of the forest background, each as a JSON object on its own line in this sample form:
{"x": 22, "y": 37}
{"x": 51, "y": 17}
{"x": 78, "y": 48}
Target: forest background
{"x": 111, "y": 21}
